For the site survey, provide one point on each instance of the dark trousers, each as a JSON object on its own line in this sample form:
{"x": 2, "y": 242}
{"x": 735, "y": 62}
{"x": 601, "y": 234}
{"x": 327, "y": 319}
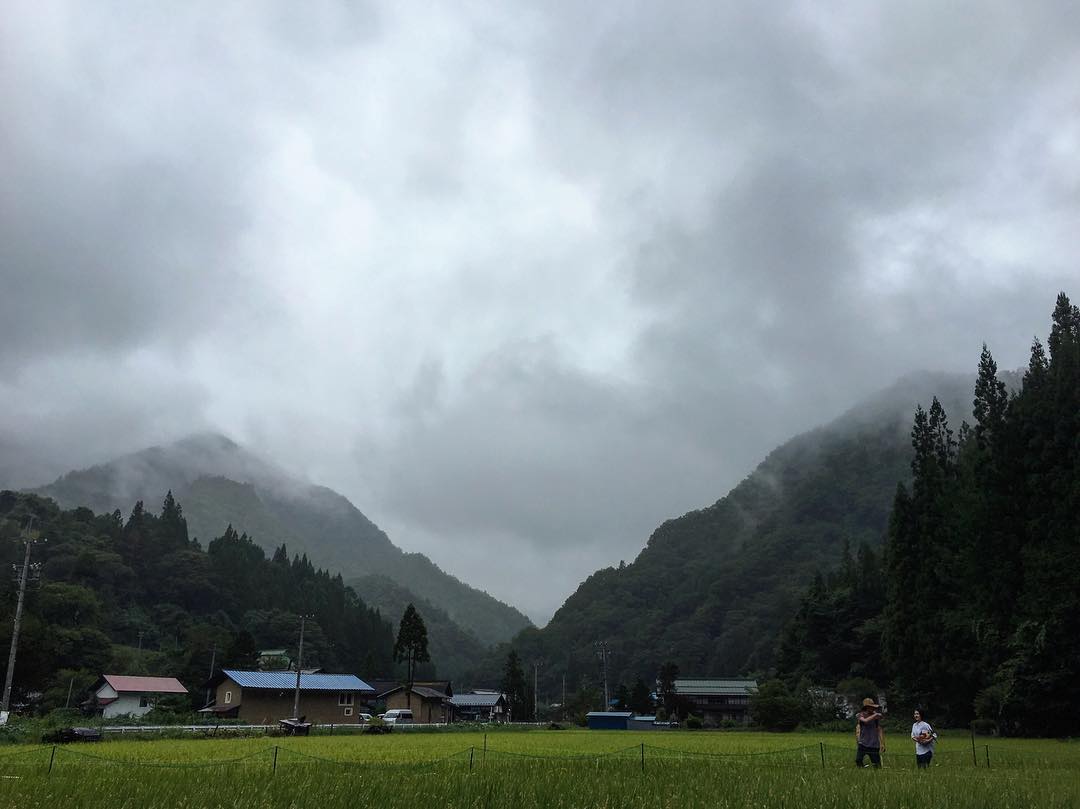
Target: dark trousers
{"x": 923, "y": 759}
{"x": 874, "y": 753}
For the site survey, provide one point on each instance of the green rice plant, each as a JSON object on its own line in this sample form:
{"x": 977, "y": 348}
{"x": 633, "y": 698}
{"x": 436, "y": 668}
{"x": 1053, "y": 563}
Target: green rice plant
{"x": 526, "y": 770}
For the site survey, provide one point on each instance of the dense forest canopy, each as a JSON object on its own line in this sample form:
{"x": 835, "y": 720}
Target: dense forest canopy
{"x": 137, "y": 596}
{"x": 951, "y": 558}
{"x": 712, "y": 589}
{"x": 977, "y": 611}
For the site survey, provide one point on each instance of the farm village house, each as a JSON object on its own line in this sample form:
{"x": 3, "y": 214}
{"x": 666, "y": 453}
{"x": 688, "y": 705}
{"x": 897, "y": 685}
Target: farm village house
{"x": 264, "y": 697}
{"x": 126, "y": 696}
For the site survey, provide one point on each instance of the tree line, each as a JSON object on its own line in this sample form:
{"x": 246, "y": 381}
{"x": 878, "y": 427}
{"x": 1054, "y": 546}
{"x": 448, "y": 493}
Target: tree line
{"x": 974, "y": 610}
{"x": 139, "y": 596}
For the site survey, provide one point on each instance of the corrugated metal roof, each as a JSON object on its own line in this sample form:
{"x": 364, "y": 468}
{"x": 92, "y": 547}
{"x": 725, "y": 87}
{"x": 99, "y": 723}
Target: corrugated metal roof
{"x": 716, "y": 687}
{"x": 151, "y": 685}
{"x": 485, "y": 700}
{"x": 287, "y": 680}
{"x": 620, "y": 714}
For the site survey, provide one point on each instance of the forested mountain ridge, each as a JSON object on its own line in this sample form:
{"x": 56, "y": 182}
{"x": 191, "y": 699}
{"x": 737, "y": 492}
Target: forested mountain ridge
{"x": 711, "y": 590}
{"x": 221, "y": 484}
{"x": 453, "y": 650}
{"x": 977, "y": 613}
{"x": 138, "y": 596}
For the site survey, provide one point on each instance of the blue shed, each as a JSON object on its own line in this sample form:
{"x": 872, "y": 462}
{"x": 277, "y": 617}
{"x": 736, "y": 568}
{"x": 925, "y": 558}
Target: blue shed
{"x": 608, "y": 720}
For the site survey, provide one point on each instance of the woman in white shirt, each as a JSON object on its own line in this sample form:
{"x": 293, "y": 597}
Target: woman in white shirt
{"x": 924, "y": 737}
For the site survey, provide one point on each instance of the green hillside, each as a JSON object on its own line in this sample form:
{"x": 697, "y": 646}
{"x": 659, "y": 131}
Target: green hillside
{"x": 712, "y": 589}
{"x": 453, "y": 650}
{"x": 138, "y": 595}
{"x": 220, "y": 484}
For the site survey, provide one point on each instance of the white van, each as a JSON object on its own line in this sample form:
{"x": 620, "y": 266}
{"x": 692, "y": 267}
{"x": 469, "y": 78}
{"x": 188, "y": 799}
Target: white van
{"x": 397, "y": 716}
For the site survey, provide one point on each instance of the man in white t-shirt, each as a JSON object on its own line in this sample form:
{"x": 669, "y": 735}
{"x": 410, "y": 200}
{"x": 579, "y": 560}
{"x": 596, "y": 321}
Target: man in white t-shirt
{"x": 924, "y": 737}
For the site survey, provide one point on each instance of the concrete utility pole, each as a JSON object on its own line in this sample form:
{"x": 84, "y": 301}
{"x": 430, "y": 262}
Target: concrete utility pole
{"x": 213, "y": 660}
{"x": 603, "y": 646}
{"x": 29, "y": 541}
{"x": 536, "y": 667}
{"x": 299, "y": 666}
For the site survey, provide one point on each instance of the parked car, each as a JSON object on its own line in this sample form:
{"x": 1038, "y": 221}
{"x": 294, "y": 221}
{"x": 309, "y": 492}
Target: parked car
{"x": 397, "y": 716}
{"x": 365, "y": 717}
{"x": 65, "y": 735}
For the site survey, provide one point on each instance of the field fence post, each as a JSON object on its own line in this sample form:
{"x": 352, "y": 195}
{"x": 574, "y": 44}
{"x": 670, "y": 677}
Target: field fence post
{"x": 987, "y": 748}
{"x": 821, "y": 745}
{"x": 52, "y": 758}
{"x": 275, "y": 759}
{"x": 974, "y": 757}
{"x": 471, "y": 750}
{"x": 643, "y": 756}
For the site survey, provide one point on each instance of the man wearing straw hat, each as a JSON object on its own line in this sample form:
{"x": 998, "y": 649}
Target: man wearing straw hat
{"x": 869, "y": 734}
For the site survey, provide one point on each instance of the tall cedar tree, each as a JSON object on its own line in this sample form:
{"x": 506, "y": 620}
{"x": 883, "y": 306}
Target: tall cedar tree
{"x": 514, "y": 686}
{"x": 1038, "y": 686}
{"x": 640, "y": 699}
{"x": 835, "y": 634}
{"x": 411, "y": 646}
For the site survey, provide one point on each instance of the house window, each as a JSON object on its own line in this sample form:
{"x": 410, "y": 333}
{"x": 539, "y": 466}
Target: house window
{"x": 228, "y": 697}
{"x": 144, "y": 702}
{"x": 344, "y": 698}
{"x": 348, "y": 711}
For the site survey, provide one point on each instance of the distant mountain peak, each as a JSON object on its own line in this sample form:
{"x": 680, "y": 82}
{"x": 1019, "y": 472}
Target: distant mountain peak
{"x": 218, "y": 482}
{"x": 208, "y": 441}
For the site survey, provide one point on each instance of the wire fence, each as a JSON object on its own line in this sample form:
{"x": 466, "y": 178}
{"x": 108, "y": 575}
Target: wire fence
{"x": 273, "y": 759}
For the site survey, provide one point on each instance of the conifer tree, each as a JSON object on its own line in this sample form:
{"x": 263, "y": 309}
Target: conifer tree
{"x": 412, "y": 643}
{"x": 991, "y": 399}
{"x": 513, "y": 685}
{"x": 173, "y": 524}
{"x": 640, "y": 701}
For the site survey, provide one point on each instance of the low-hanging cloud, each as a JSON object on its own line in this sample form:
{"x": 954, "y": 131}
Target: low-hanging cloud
{"x": 522, "y": 281}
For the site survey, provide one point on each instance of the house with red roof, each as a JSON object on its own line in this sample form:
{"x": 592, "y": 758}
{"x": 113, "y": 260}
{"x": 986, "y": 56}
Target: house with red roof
{"x": 120, "y": 695}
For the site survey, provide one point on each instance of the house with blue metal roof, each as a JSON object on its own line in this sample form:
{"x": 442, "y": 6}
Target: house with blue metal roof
{"x": 265, "y": 697}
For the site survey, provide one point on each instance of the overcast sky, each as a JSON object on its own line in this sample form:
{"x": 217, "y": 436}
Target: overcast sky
{"x": 521, "y": 280}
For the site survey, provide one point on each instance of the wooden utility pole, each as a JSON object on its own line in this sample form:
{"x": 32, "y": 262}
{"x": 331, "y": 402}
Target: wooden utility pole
{"x": 29, "y": 541}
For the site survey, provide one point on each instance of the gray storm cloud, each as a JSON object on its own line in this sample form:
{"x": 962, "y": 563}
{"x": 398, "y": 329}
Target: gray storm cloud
{"x": 522, "y": 281}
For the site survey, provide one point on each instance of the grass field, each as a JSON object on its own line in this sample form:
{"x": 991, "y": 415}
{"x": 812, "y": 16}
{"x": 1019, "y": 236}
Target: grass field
{"x": 536, "y": 769}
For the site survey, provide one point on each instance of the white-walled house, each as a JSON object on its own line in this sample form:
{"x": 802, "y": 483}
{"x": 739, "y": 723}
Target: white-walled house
{"x": 120, "y": 695}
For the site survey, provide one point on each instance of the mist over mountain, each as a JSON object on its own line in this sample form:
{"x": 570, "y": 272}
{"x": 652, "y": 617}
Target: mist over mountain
{"x": 712, "y": 589}
{"x": 219, "y": 483}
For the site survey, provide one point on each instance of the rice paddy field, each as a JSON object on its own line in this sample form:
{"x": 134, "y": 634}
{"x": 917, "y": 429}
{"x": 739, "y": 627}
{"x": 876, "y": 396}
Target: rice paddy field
{"x": 522, "y": 770}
